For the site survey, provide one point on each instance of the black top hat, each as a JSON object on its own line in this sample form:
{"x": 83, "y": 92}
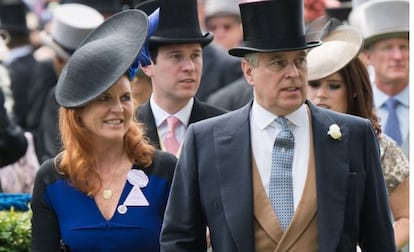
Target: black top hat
{"x": 13, "y": 16}
{"x": 270, "y": 26}
{"x": 102, "y": 58}
{"x": 178, "y": 24}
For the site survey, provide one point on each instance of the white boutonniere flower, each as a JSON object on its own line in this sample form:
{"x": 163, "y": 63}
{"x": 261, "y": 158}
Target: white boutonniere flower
{"x": 335, "y": 132}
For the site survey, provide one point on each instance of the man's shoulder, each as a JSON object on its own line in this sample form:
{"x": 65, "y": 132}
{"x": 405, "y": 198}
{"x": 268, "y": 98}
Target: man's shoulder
{"x": 211, "y": 110}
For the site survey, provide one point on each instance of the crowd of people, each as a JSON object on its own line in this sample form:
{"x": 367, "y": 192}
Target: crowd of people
{"x": 206, "y": 125}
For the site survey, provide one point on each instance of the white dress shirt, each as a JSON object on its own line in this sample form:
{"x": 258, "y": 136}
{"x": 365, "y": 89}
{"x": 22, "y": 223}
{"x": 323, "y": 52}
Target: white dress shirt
{"x": 160, "y": 115}
{"x": 380, "y": 98}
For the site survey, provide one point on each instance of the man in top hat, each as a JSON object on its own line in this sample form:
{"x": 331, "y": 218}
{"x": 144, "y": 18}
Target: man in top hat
{"x": 176, "y": 65}
{"x": 19, "y": 59}
{"x": 279, "y": 174}
{"x": 70, "y": 25}
{"x": 385, "y": 27}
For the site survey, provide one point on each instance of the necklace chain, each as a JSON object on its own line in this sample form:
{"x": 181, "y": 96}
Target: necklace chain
{"x": 107, "y": 192}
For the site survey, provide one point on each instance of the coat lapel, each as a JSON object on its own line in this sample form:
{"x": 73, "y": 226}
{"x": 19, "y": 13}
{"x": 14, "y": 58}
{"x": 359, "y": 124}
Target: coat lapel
{"x": 332, "y": 171}
{"x": 263, "y": 210}
{"x": 235, "y": 177}
{"x": 145, "y": 116}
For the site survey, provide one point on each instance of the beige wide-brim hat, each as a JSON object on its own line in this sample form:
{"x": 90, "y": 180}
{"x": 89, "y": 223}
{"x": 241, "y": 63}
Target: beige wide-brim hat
{"x": 71, "y": 23}
{"x": 339, "y": 47}
{"x": 381, "y": 19}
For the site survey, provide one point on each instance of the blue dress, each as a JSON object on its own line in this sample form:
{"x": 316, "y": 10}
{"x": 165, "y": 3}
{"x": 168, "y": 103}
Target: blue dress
{"x": 62, "y": 214}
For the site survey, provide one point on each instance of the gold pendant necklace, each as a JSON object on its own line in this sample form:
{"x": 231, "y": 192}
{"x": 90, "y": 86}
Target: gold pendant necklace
{"x": 107, "y": 194}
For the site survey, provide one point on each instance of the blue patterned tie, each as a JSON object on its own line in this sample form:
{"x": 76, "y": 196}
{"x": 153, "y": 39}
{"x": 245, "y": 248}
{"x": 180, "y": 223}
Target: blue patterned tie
{"x": 392, "y": 126}
{"x": 280, "y": 186}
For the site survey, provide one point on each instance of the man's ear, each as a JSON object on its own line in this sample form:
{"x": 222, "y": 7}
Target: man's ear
{"x": 247, "y": 71}
{"x": 147, "y": 70}
{"x": 364, "y": 56}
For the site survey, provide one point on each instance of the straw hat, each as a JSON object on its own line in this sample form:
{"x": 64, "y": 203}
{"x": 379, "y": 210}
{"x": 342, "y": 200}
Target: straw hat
{"x": 381, "y": 19}
{"x": 340, "y": 45}
{"x": 71, "y": 23}
{"x": 102, "y": 58}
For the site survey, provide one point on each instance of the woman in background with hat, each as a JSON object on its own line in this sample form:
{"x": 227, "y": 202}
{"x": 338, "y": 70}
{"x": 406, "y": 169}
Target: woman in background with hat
{"x": 340, "y": 82}
{"x": 108, "y": 189}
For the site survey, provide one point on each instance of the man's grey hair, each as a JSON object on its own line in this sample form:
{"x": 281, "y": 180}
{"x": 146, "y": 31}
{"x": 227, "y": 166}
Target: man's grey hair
{"x": 252, "y": 59}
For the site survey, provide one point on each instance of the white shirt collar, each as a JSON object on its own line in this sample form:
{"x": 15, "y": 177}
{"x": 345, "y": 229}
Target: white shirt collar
{"x": 16, "y": 53}
{"x": 380, "y": 98}
{"x": 263, "y": 118}
{"x": 160, "y": 115}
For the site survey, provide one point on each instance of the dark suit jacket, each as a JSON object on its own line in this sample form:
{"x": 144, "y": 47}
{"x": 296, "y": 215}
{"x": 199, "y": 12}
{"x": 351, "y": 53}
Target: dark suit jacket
{"x": 200, "y": 111}
{"x": 13, "y": 143}
{"x": 21, "y": 71}
{"x": 219, "y": 69}
{"x": 213, "y": 185}
{"x": 233, "y": 96}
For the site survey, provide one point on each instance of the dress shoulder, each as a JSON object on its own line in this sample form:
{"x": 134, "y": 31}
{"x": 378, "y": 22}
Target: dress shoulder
{"x": 163, "y": 164}
{"x": 394, "y": 163}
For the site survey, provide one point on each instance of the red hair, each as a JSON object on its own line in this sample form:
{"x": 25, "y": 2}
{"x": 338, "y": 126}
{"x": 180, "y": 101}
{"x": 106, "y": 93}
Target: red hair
{"x": 78, "y": 159}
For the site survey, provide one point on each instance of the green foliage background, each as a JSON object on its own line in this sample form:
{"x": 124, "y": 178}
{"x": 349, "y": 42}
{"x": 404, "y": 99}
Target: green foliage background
{"x": 15, "y": 231}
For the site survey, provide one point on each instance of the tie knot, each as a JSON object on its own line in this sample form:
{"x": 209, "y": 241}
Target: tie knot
{"x": 391, "y": 103}
{"x": 283, "y": 122}
{"x": 172, "y": 122}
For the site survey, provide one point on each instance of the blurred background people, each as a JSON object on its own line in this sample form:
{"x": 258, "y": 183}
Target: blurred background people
{"x": 19, "y": 59}
{"x": 18, "y": 161}
{"x": 222, "y": 18}
{"x": 13, "y": 144}
{"x": 385, "y": 27}
{"x": 69, "y": 26}
{"x": 340, "y": 82}
{"x": 109, "y": 184}
{"x": 219, "y": 68}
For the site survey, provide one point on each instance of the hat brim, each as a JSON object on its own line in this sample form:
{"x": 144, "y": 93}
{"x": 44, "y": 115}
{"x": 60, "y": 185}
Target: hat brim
{"x": 339, "y": 47}
{"x": 156, "y": 41}
{"x": 243, "y": 50}
{"x": 102, "y": 58}
{"x": 48, "y": 41}
{"x": 398, "y": 34}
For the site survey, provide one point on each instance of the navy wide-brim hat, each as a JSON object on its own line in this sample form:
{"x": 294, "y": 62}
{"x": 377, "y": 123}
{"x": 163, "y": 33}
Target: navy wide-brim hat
{"x": 271, "y": 26}
{"x": 102, "y": 58}
{"x": 179, "y": 24}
